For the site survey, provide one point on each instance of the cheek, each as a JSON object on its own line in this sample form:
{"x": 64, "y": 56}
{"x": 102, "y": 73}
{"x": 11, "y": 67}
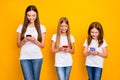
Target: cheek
{"x": 66, "y": 28}
{"x": 91, "y": 34}
{"x": 97, "y": 34}
{"x": 60, "y": 28}
{"x": 28, "y": 17}
{"x": 34, "y": 17}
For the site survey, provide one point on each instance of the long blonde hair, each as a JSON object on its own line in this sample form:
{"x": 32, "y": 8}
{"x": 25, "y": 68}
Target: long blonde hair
{"x": 63, "y": 19}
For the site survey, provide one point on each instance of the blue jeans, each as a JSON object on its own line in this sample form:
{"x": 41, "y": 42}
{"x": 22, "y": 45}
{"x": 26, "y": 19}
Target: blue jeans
{"x": 31, "y": 68}
{"x": 94, "y": 73}
{"x": 63, "y": 72}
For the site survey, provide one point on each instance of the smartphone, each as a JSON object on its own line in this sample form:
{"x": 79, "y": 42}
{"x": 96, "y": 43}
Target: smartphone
{"x": 65, "y": 46}
{"x": 92, "y": 49}
{"x": 28, "y": 35}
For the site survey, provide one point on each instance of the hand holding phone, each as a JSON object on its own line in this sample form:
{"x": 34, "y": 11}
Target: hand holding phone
{"x": 65, "y": 46}
{"x": 92, "y": 49}
{"x": 28, "y": 35}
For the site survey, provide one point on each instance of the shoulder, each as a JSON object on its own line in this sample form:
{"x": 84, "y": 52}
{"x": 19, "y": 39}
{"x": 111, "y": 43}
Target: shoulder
{"x": 85, "y": 40}
{"x": 20, "y": 26}
{"x": 85, "y": 43}
{"x": 71, "y": 35}
{"x": 42, "y": 26}
{"x": 19, "y": 29}
{"x": 54, "y": 35}
{"x": 104, "y": 42}
{"x": 72, "y": 38}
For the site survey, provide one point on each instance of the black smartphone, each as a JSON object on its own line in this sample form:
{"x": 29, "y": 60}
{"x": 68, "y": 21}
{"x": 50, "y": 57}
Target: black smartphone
{"x": 28, "y": 35}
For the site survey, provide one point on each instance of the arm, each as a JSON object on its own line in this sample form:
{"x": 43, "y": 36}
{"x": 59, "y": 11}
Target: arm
{"x": 53, "y": 49}
{"x": 20, "y": 43}
{"x": 104, "y": 53}
{"x": 86, "y": 52}
{"x": 40, "y": 44}
{"x": 71, "y": 50}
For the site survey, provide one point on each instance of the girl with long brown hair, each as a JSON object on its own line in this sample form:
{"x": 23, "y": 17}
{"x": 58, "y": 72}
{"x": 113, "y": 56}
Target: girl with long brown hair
{"x": 95, "y": 50}
{"x": 31, "y": 37}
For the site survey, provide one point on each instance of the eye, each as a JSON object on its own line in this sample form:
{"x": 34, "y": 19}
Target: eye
{"x": 96, "y": 32}
{"x": 61, "y": 25}
{"x": 28, "y": 15}
{"x": 33, "y": 15}
{"x": 66, "y": 26}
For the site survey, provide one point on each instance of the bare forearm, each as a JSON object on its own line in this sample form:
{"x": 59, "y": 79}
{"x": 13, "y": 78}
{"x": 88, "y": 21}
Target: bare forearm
{"x": 86, "y": 53}
{"x": 71, "y": 51}
{"x": 102, "y": 55}
{"x": 40, "y": 44}
{"x": 21, "y": 43}
{"x": 54, "y": 50}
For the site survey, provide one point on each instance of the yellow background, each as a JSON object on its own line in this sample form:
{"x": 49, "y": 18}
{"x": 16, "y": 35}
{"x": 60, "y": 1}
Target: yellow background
{"x": 80, "y": 14}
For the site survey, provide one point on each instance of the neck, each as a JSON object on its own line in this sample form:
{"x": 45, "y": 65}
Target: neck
{"x": 63, "y": 34}
{"x": 31, "y": 24}
{"x": 94, "y": 39}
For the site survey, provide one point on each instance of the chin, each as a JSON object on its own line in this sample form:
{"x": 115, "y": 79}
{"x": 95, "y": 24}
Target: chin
{"x": 94, "y": 38}
{"x": 31, "y": 21}
{"x": 63, "y": 32}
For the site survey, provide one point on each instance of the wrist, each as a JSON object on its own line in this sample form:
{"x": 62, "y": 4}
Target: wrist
{"x": 88, "y": 52}
{"x": 23, "y": 41}
{"x": 35, "y": 41}
{"x": 58, "y": 49}
{"x": 97, "y": 53}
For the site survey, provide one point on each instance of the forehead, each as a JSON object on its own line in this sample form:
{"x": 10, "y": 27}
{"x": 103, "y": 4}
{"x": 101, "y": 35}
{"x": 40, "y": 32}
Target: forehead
{"x": 94, "y": 30}
{"x": 63, "y": 23}
{"x": 31, "y": 13}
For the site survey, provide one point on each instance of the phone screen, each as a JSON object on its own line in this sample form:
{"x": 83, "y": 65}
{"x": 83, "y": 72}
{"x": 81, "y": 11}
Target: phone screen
{"x": 28, "y": 36}
{"x": 92, "y": 49}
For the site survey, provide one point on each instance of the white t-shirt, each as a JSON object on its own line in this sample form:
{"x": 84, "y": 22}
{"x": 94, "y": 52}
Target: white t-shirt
{"x": 62, "y": 58}
{"x": 30, "y": 50}
{"x": 95, "y": 61}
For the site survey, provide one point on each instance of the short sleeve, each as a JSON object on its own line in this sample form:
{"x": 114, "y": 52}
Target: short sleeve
{"x": 54, "y": 37}
{"x": 72, "y": 39}
{"x": 85, "y": 43}
{"x": 19, "y": 29}
{"x": 104, "y": 44}
{"x": 43, "y": 29}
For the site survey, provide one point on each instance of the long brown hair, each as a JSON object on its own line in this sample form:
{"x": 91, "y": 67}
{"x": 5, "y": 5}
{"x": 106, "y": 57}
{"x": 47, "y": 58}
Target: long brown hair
{"x": 26, "y": 22}
{"x": 97, "y": 26}
{"x": 63, "y": 19}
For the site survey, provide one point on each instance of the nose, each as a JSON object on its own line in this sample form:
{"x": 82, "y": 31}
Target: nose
{"x": 31, "y": 18}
